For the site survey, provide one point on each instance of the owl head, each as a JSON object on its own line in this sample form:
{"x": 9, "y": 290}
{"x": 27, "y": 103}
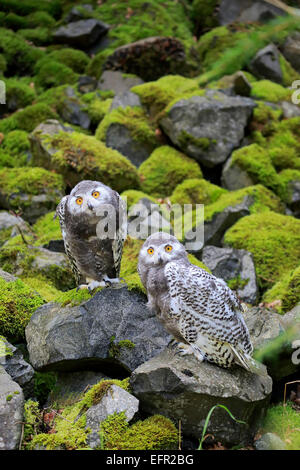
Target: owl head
{"x": 87, "y": 197}
{"x": 159, "y": 249}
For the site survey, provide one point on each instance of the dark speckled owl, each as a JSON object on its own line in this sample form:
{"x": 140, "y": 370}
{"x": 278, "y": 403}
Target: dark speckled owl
{"x": 95, "y": 254}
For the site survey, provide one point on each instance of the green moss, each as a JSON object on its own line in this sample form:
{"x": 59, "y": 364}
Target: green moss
{"x": 18, "y": 303}
{"x": 52, "y": 74}
{"x": 157, "y": 95}
{"x": 274, "y": 241}
{"x": 115, "y": 348}
{"x": 99, "y": 390}
{"x": 9, "y": 397}
{"x": 72, "y": 297}
{"x": 39, "y": 18}
{"x": 255, "y": 160}
{"x": 32, "y": 420}
{"x": 263, "y": 200}
{"x": 287, "y": 177}
{"x": 98, "y": 109}
{"x": 31, "y": 181}
{"x": 43, "y": 286}
{"x": 196, "y": 191}
{"x": 185, "y": 140}
{"x": 237, "y": 283}
{"x": 287, "y": 290}
{"x": 44, "y": 383}
{"x": 47, "y": 228}
{"x": 27, "y": 7}
{"x": 154, "y": 433}
{"x": 135, "y": 120}
{"x": 20, "y": 57}
{"x": 285, "y": 422}
{"x": 192, "y": 259}
{"x": 270, "y": 91}
{"x": 21, "y": 94}
{"x": 165, "y": 169}
{"x": 39, "y": 36}
{"x": 28, "y": 118}
{"x": 16, "y": 142}
{"x": 289, "y": 74}
{"x": 5, "y": 350}
{"x": 129, "y": 264}
{"x": 84, "y": 157}
{"x": 263, "y": 117}
{"x": 72, "y": 58}
{"x": 202, "y": 14}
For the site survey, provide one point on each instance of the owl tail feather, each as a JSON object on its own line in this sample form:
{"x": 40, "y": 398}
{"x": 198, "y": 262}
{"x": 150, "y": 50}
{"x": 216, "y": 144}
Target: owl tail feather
{"x": 248, "y": 363}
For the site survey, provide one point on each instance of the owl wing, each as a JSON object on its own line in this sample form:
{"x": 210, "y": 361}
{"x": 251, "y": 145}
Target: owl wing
{"x": 121, "y": 234}
{"x": 204, "y": 304}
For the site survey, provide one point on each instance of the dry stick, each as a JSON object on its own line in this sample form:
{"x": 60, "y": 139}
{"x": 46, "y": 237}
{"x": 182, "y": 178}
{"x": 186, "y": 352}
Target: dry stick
{"x": 283, "y": 6}
{"x": 179, "y": 435}
{"x": 22, "y": 435}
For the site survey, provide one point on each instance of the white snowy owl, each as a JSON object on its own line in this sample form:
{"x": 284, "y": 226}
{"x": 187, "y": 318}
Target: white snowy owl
{"x": 198, "y": 309}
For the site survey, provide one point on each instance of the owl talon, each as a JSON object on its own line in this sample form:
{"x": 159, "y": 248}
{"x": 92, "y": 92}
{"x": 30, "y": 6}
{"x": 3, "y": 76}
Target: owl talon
{"x": 81, "y": 287}
{"x": 107, "y": 283}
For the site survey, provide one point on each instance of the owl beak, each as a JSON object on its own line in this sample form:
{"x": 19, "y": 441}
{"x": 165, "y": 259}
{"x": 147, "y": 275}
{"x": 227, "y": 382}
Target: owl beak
{"x": 90, "y": 206}
{"x": 159, "y": 259}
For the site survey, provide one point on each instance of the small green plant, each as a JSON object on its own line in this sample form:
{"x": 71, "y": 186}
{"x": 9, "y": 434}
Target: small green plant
{"x": 208, "y": 418}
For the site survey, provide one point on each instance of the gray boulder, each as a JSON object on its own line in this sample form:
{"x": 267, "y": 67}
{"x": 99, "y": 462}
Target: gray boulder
{"x": 11, "y": 412}
{"x": 113, "y": 331}
{"x": 208, "y": 128}
{"x": 116, "y": 400}
{"x": 7, "y": 276}
{"x": 125, "y": 99}
{"x": 19, "y": 370}
{"x": 266, "y": 64}
{"x": 290, "y": 110}
{"x": 118, "y": 137}
{"x": 242, "y": 11}
{"x": 269, "y": 441}
{"x": 233, "y": 177}
{"x": 82, "y": 33}
{"x": 117, "y": 82}
{"x": 215, "y": 228}
{"x": 232, "y": 264}
{"x": 291, "y": 50}
{"x": 184, "y": 389}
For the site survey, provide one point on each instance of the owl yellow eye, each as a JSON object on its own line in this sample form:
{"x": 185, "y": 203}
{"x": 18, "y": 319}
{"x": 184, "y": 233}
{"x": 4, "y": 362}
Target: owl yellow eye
{"x": 168, "y": 248}
{"x": 95, "y": 194}
{"x": 79, "y": 201}
{"x": 150, "y": 251}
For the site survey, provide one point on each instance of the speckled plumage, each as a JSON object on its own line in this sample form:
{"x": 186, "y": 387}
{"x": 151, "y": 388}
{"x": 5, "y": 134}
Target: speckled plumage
{"x": 198, "y": 309}
{"x": 92, "y": 258}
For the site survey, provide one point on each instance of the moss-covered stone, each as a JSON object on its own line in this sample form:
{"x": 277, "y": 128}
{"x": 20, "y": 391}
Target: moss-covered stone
{"x": 157, "y": 95}
{"x": 284, "y": 421}
{"x": 135, "y": 120}
{"x": 196, "y": 191}
{"x": 286, "y": 290}
{"x": 18, "y": 94}
{"x": 20, "y": 57}
{"x": 274, "y": 241}
{"x": 255, "y": 161}
{"x": 28, "y": 118}
{"x": 21, "y": 186}
{"x": 14, "y": 149}
{"x": 72, "y": 58}
{"x": 270, "y": 91}
{"x": 18, "y": 303}
{"x": 154, "y": 433}
{"x": 129, "y": 264}
{"x": 165, "y": 169}
{"x": 77, "y": 156}
{"x": 40, "y": 36}
{"x": 46, "y": 228}
{"x": 50, "y": 73}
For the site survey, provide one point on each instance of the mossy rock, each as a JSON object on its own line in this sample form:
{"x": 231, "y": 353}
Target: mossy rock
{"x": 135, "y": 120}
{"x": 51, "y": 74}
{"x": 18, "y": 94}
{"x": 34, "y": 191}
{"x": 20, "y": 57}
{"x": 290, "y": 180}
{"x": 133, "y": 197}
{"x": 270, "y": 91}
{"x": 254, "y": 160}
{"x": 17, "y": 305}
{"x": 286, "y": 290}
{"x": 165, "y": 169}
{"x": 27, "y": 119}
{"x": 46, "y": 228}
{"x": 77, "y": 156}
{"x": 72, "y": 58}
{"x": 274, "y": 241}
{"x": 284, "y": 421}
{"x": 14, "y": 149}
{"x": 154, "y": 433}
{"x": 196, "y": 191}
{"x": 157, "y": 95}
{"x": 129, "y": 264}
{"x": 39, "y": 36}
